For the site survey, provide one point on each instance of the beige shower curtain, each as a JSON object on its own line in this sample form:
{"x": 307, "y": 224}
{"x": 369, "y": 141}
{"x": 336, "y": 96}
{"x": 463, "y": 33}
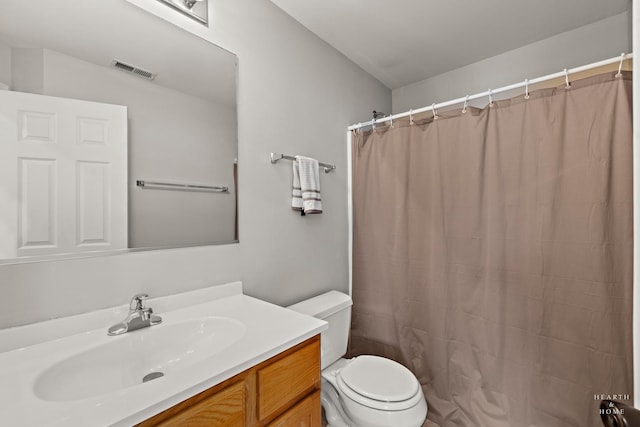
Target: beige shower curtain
{"x": 493, "y": 255}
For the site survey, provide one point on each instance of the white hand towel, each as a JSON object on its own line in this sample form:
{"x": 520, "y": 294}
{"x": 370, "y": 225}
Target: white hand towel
{"x": 306, "y": 186}
{"x": 296, "y": 192}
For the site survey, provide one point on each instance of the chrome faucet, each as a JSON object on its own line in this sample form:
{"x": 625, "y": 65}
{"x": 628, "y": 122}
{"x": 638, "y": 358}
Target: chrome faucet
{"x": 139, "y": 317}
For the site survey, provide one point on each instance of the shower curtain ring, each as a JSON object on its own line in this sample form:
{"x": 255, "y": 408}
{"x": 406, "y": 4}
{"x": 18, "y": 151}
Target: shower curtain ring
{"x": 526, "y": 88}
{"x": 433, "y": 110}
{"x": 390, "y": 120}
{"x": 466, "y": 102}
{"x": 490, "y": 99}
{"x": 567, "y": 85}
{"x": 620, "y": 66}
{"x": 411, "y": 116}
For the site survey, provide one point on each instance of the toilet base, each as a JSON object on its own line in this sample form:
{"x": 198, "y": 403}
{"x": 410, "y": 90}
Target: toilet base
{"x": 332, "y": 407}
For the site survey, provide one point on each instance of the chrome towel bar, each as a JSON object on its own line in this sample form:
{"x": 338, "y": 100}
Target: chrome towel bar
{"x": 275, "y": 157}
{"x": 182, "y": 187}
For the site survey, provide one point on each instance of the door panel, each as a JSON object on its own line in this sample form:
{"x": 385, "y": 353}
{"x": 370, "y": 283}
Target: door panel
{"x": 63, "y": 175}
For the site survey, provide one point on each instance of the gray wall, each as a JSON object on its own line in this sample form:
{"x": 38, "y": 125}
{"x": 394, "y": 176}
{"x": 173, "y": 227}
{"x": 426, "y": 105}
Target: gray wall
{"x": 297, "y": 95}
{"x": 601, "y": 40}
{"x": 27, "y": 70}
{"x": 5, "y": 64}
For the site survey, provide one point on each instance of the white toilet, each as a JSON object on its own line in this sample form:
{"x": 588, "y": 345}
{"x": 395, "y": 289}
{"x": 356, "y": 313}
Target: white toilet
{"x": 366, "y": 391}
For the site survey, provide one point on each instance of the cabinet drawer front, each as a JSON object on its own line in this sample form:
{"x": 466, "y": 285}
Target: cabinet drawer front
{"x": 225, "y": 408}
{"x": 286, "y": 380}
{"x": 305, "y": 414}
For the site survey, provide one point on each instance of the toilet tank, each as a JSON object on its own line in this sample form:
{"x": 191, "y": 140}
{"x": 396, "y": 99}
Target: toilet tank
{"x": 335, "y": 308}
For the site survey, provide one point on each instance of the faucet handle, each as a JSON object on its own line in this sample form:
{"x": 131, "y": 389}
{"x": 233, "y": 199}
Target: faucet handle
{"x": 137, "y": 302}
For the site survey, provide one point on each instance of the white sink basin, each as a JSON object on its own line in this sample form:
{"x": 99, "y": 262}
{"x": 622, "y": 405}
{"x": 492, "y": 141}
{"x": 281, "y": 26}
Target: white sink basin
{"x": 125, "y": 360}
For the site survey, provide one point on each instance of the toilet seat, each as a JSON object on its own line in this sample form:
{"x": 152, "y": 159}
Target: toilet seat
{"x": 379, "y": 383}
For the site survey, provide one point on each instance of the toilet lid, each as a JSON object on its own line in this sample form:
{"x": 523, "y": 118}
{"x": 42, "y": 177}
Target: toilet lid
{"x": 380, "y": 379}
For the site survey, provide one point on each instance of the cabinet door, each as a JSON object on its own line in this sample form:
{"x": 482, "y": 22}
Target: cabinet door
{"x": 283, "y": 382}
{"x": 225, "y": 408}
{"x": 304, "y": 414}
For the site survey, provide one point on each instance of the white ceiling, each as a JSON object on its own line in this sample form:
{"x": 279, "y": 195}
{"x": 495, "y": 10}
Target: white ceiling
{"x": 404, "y": 41}
{"x": 99, "y": 31}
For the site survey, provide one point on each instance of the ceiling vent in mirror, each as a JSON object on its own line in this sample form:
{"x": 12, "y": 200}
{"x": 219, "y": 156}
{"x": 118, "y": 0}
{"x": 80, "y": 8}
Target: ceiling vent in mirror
{"x": 132, "y": 69}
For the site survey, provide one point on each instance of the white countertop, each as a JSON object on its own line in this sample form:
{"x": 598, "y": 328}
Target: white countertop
{"x": 270, "y": 329}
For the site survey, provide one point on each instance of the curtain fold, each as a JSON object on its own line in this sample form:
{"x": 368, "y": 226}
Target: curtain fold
{"x": 493, "y": 255}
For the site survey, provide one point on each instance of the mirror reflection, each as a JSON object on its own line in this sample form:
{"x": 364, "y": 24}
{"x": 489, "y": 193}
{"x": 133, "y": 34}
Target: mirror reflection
{"x": 115, "y": 134}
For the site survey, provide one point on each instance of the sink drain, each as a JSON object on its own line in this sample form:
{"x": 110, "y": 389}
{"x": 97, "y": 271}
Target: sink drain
{"x": 152, "y": 376}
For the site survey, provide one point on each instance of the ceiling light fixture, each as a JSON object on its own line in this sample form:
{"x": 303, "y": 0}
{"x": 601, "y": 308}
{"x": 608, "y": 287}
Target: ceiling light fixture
{"x": 196, "y": 9}
{"x": 190, "y": 3}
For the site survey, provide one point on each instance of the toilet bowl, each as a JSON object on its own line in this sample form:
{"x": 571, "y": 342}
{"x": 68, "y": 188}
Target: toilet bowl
{"x": 366, "y": 391}
{"x": 376, "y": 392}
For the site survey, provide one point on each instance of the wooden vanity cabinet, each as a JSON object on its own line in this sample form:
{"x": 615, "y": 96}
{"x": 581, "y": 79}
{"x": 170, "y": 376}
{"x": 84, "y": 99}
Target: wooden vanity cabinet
{"x": 283, "y": 391}
{"x": 305, "y": 413}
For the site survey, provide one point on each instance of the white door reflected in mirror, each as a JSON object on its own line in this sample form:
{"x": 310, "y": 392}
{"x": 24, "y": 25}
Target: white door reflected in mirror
{"x": 63, "y": 163}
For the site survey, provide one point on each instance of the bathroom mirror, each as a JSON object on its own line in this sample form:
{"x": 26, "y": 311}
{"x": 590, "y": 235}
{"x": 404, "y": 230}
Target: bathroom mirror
{"x": 118, "y": 132}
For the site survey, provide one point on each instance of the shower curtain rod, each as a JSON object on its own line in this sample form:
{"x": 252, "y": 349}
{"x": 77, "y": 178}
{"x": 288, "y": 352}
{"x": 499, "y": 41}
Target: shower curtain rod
{"x": 565, "y": 73}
